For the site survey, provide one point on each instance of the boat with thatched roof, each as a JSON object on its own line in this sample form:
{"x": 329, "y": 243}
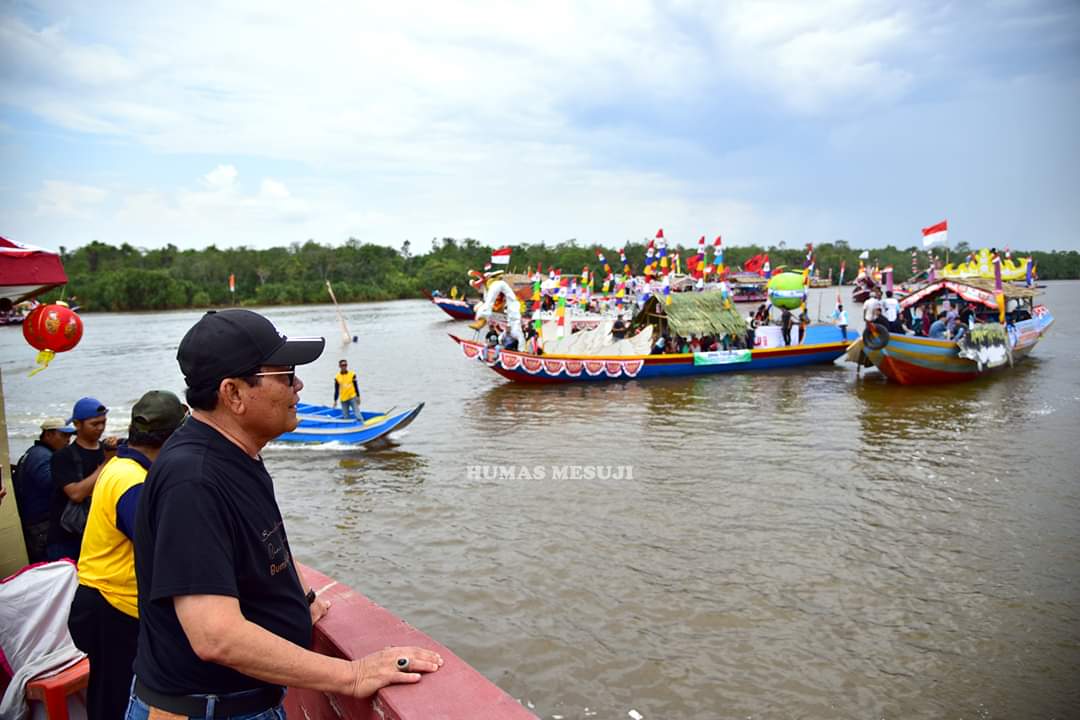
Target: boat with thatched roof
{"x": 594, "y": 355}
{"x": 1008, "y": 337}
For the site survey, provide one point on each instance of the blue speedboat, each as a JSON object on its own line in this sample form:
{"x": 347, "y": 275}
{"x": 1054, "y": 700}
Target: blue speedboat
{"x": 321, "y": 424}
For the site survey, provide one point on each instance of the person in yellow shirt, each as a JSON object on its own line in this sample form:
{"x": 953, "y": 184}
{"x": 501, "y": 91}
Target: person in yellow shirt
{"x": 346, "y": 390}
{"x": 104, "y": 619}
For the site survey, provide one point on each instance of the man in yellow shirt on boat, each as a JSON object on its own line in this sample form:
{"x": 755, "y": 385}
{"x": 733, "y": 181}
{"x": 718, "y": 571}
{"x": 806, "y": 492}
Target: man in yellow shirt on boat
{"x": 346, "y": 390}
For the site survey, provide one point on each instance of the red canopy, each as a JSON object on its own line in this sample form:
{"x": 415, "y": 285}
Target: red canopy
{"x": 27, "y": 271}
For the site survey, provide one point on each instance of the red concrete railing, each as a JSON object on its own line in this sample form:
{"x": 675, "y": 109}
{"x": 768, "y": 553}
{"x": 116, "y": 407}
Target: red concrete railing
{"x": 354, "y": 627}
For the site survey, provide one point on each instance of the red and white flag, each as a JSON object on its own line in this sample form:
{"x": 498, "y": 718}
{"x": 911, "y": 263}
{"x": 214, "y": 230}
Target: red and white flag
{"x": 500, "y": 256}
{"x": 935, "y": 234}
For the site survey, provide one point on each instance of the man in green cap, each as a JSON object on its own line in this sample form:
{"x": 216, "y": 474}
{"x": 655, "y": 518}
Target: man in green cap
{"x": 104, "y": 619}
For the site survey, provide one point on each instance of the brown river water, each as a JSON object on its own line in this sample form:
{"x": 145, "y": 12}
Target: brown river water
{"x": 796, "y": 544}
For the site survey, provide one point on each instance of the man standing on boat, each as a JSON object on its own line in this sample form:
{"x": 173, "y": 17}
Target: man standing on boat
{"x": 890, "y": 310}
{"x": 346, "y": 390}
{"x": 225, "y": 617}
{"x": 871, "y": 307}
{"x": 839, "y": 315}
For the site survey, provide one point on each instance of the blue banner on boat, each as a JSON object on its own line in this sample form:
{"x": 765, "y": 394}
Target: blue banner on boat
{"x": 722, "y": 357}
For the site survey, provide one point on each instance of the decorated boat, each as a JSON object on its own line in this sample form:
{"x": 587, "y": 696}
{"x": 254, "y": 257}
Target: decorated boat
{"x": 321, "y": 424}
{"x": 594, "y": 355}
{"x": 981, "y": 265}
{"x": 747, "y": 287}
{"x": 457, "y": 308}
{"x": 982, "y": 348}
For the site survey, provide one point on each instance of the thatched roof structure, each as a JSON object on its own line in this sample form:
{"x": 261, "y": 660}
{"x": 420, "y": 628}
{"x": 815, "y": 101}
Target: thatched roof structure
{"x": 692, "y": 313}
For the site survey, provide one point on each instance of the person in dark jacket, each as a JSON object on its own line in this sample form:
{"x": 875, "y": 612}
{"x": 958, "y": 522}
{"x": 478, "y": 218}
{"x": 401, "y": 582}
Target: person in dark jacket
{"x": 34, "y": 485}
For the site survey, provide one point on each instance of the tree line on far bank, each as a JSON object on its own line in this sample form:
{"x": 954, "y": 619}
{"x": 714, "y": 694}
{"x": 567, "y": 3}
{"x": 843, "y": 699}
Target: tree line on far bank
{"x": 106, "y": 277}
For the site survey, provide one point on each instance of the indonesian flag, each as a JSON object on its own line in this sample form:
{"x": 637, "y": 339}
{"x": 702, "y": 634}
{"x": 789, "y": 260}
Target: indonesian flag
{"x": 935, "y": 234}
{"x": 660, "y": 233}
{"x": 500, "y": 256}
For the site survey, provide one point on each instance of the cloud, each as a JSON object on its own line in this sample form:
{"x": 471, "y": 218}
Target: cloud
{"x": 221, "y": 179}
{"x": 58, "y": 197}
{"x": 530, "y": 120}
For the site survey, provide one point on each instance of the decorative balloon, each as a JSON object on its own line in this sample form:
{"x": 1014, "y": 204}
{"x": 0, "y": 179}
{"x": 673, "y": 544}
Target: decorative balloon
{"x": 52, "y": 329}
{"x": 786, "y": 290}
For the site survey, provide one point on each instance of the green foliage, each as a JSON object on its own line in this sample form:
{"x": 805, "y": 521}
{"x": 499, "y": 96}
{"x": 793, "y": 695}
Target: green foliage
{"x": 104, "y": 277}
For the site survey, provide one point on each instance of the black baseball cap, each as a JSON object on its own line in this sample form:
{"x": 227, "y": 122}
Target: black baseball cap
{"x": 232, "y": 343}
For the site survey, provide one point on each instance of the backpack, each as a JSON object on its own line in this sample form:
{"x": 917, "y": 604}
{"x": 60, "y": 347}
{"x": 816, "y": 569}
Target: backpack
{"x": 73, "y": 518}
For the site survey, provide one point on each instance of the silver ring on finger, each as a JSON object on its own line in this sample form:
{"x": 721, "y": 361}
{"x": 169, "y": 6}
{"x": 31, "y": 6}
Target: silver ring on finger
{"x": 403, "y": 664}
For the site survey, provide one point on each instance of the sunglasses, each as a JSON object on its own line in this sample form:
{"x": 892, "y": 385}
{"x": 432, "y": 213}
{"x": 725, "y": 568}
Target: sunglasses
{"x": 290, "y": 375}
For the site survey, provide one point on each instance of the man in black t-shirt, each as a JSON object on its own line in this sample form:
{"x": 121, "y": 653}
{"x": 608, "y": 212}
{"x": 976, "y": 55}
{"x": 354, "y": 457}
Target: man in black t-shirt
{"x": 74, "y": 471}
{"x": 225, "y": 618}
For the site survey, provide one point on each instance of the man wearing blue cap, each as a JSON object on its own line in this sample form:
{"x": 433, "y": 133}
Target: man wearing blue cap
{"x": 74, "y": 471}
{"x": 34, "y": 485}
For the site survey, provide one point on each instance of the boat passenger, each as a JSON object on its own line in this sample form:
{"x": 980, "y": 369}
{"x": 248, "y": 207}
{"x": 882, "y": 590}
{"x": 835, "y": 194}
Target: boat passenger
{"x": 491, "y": 342}
{"x": 104, "y": 617}
{"x": 938, "y": 328}
{"x": 507, "y": 341}
{"x": 660, "y": 345}
{"x": 957, "y": 329}
{"x": 890, "y": 311}
{"x": 210, "y": 540}
{"x": 927, "y": 320}
{"x": 532, "y": 341}
{"x": 618, "y": 329}
{"x": 786, "y": 321}
{"x": 906, "y": 321}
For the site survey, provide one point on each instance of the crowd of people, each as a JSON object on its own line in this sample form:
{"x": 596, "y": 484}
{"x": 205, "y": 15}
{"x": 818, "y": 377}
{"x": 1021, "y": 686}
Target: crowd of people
{"x": 189, "y": 601}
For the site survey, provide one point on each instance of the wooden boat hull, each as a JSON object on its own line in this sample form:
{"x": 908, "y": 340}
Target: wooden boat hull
{"x": 910, "y": 360}
{"x": 824, "y": 345}
{"x": 321, "y": 424}
{"x": 457, "y": 309}
{"x": 749, "y": 297}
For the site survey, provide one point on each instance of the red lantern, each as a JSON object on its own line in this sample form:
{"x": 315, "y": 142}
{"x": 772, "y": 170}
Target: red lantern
{"x": 52, "y": 329}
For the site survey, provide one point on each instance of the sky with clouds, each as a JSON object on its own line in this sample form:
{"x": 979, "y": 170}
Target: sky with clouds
{"x": 263, "y": 123}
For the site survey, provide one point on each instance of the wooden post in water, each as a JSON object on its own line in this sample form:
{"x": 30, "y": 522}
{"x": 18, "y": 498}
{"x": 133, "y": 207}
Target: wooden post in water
{"x": 12, "y": 545}
{"x": 345, "y": 336}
